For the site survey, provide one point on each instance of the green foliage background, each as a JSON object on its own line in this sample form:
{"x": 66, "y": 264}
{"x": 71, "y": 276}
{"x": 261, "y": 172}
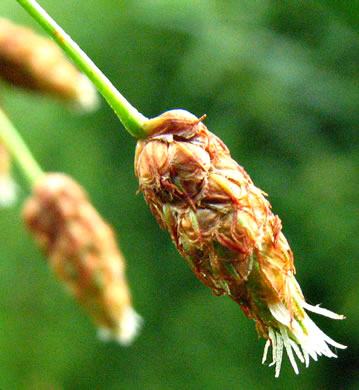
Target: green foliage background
{"x": 279, "y": 82}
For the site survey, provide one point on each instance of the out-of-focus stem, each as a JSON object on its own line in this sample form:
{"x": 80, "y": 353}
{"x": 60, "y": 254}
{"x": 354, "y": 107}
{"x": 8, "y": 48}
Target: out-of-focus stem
{"x": 17, "y": 147}
{"x": 129, "y": 116}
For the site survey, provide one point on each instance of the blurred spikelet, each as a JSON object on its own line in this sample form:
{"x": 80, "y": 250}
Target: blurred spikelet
{"x": 223, "y": 226}
{"x": 8, "y": 187}
{"x": 36, "y": 63}
{"x": 83, "y": 254}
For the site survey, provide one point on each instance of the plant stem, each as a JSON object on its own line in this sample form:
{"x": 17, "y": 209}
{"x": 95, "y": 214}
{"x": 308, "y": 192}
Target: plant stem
{"x": 129, "y": 116}
{"x": 17, "y": 147}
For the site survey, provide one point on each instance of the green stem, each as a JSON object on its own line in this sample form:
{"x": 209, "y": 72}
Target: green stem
{"x": 17, "y": 147}
{"x": 129, "y": 116}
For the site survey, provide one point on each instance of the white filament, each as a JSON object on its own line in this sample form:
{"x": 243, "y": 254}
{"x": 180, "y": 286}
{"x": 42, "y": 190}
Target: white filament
{"x": 305, "y": 339}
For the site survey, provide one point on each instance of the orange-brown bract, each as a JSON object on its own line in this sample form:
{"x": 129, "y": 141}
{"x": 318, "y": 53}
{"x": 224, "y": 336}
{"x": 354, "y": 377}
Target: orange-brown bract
{"x": 223, "y": 226}
{"x": 83, "y": 253}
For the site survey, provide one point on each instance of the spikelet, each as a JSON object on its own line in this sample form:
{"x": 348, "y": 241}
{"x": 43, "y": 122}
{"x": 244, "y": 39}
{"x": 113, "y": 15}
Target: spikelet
{"x": 8, "y": 187}
{"x": 36, "y": 63}
{"x": 83, "y": 254}
{"x": 223, "y": 226}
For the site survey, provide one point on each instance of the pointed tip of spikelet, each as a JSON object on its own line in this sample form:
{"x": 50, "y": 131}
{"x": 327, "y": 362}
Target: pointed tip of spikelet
{"x": 8, "y": 191}
{"x": 87, "y": 98}
{"x": 127, "y": 330}
{"x": 295, "y": 333}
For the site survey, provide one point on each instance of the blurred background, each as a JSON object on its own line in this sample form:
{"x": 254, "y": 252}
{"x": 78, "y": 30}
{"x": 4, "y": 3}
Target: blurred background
{"x": 279, "y": 82}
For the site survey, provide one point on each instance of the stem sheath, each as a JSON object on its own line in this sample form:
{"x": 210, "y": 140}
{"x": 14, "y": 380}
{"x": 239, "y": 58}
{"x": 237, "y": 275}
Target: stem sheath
{"x": 129, "y": 116}
{"x": 17, "y": 147}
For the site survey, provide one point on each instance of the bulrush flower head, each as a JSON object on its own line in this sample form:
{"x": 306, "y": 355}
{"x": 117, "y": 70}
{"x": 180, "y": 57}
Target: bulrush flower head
{"x": 30, "y": 61}
{"x": 8, "y": 187}
{"x": 83, "y": 254}
{"x": 223, "y": 226}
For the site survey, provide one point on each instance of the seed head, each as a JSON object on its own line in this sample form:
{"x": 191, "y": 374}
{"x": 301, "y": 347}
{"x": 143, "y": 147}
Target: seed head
{"x": 30, "y": 61}
{"x": 222, "y": 224}
{"x": 83, "y": 254}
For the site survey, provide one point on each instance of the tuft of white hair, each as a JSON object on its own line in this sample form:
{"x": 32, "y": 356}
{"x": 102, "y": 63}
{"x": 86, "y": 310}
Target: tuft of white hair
{"x": 87, "y": 99}
{"x": 304, "y": 338}
{"x": 127, "y": 331}
{"x": 8, "y": 191}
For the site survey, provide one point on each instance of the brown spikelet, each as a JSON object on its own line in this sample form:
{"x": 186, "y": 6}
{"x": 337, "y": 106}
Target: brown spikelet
{"x": 36, "y": 63}
{"x": 223, "y": 226}
{"x": 83, "y": 253}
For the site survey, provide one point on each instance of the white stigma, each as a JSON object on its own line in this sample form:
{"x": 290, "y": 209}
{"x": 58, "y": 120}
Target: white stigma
{"x": 304, "y": 338}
